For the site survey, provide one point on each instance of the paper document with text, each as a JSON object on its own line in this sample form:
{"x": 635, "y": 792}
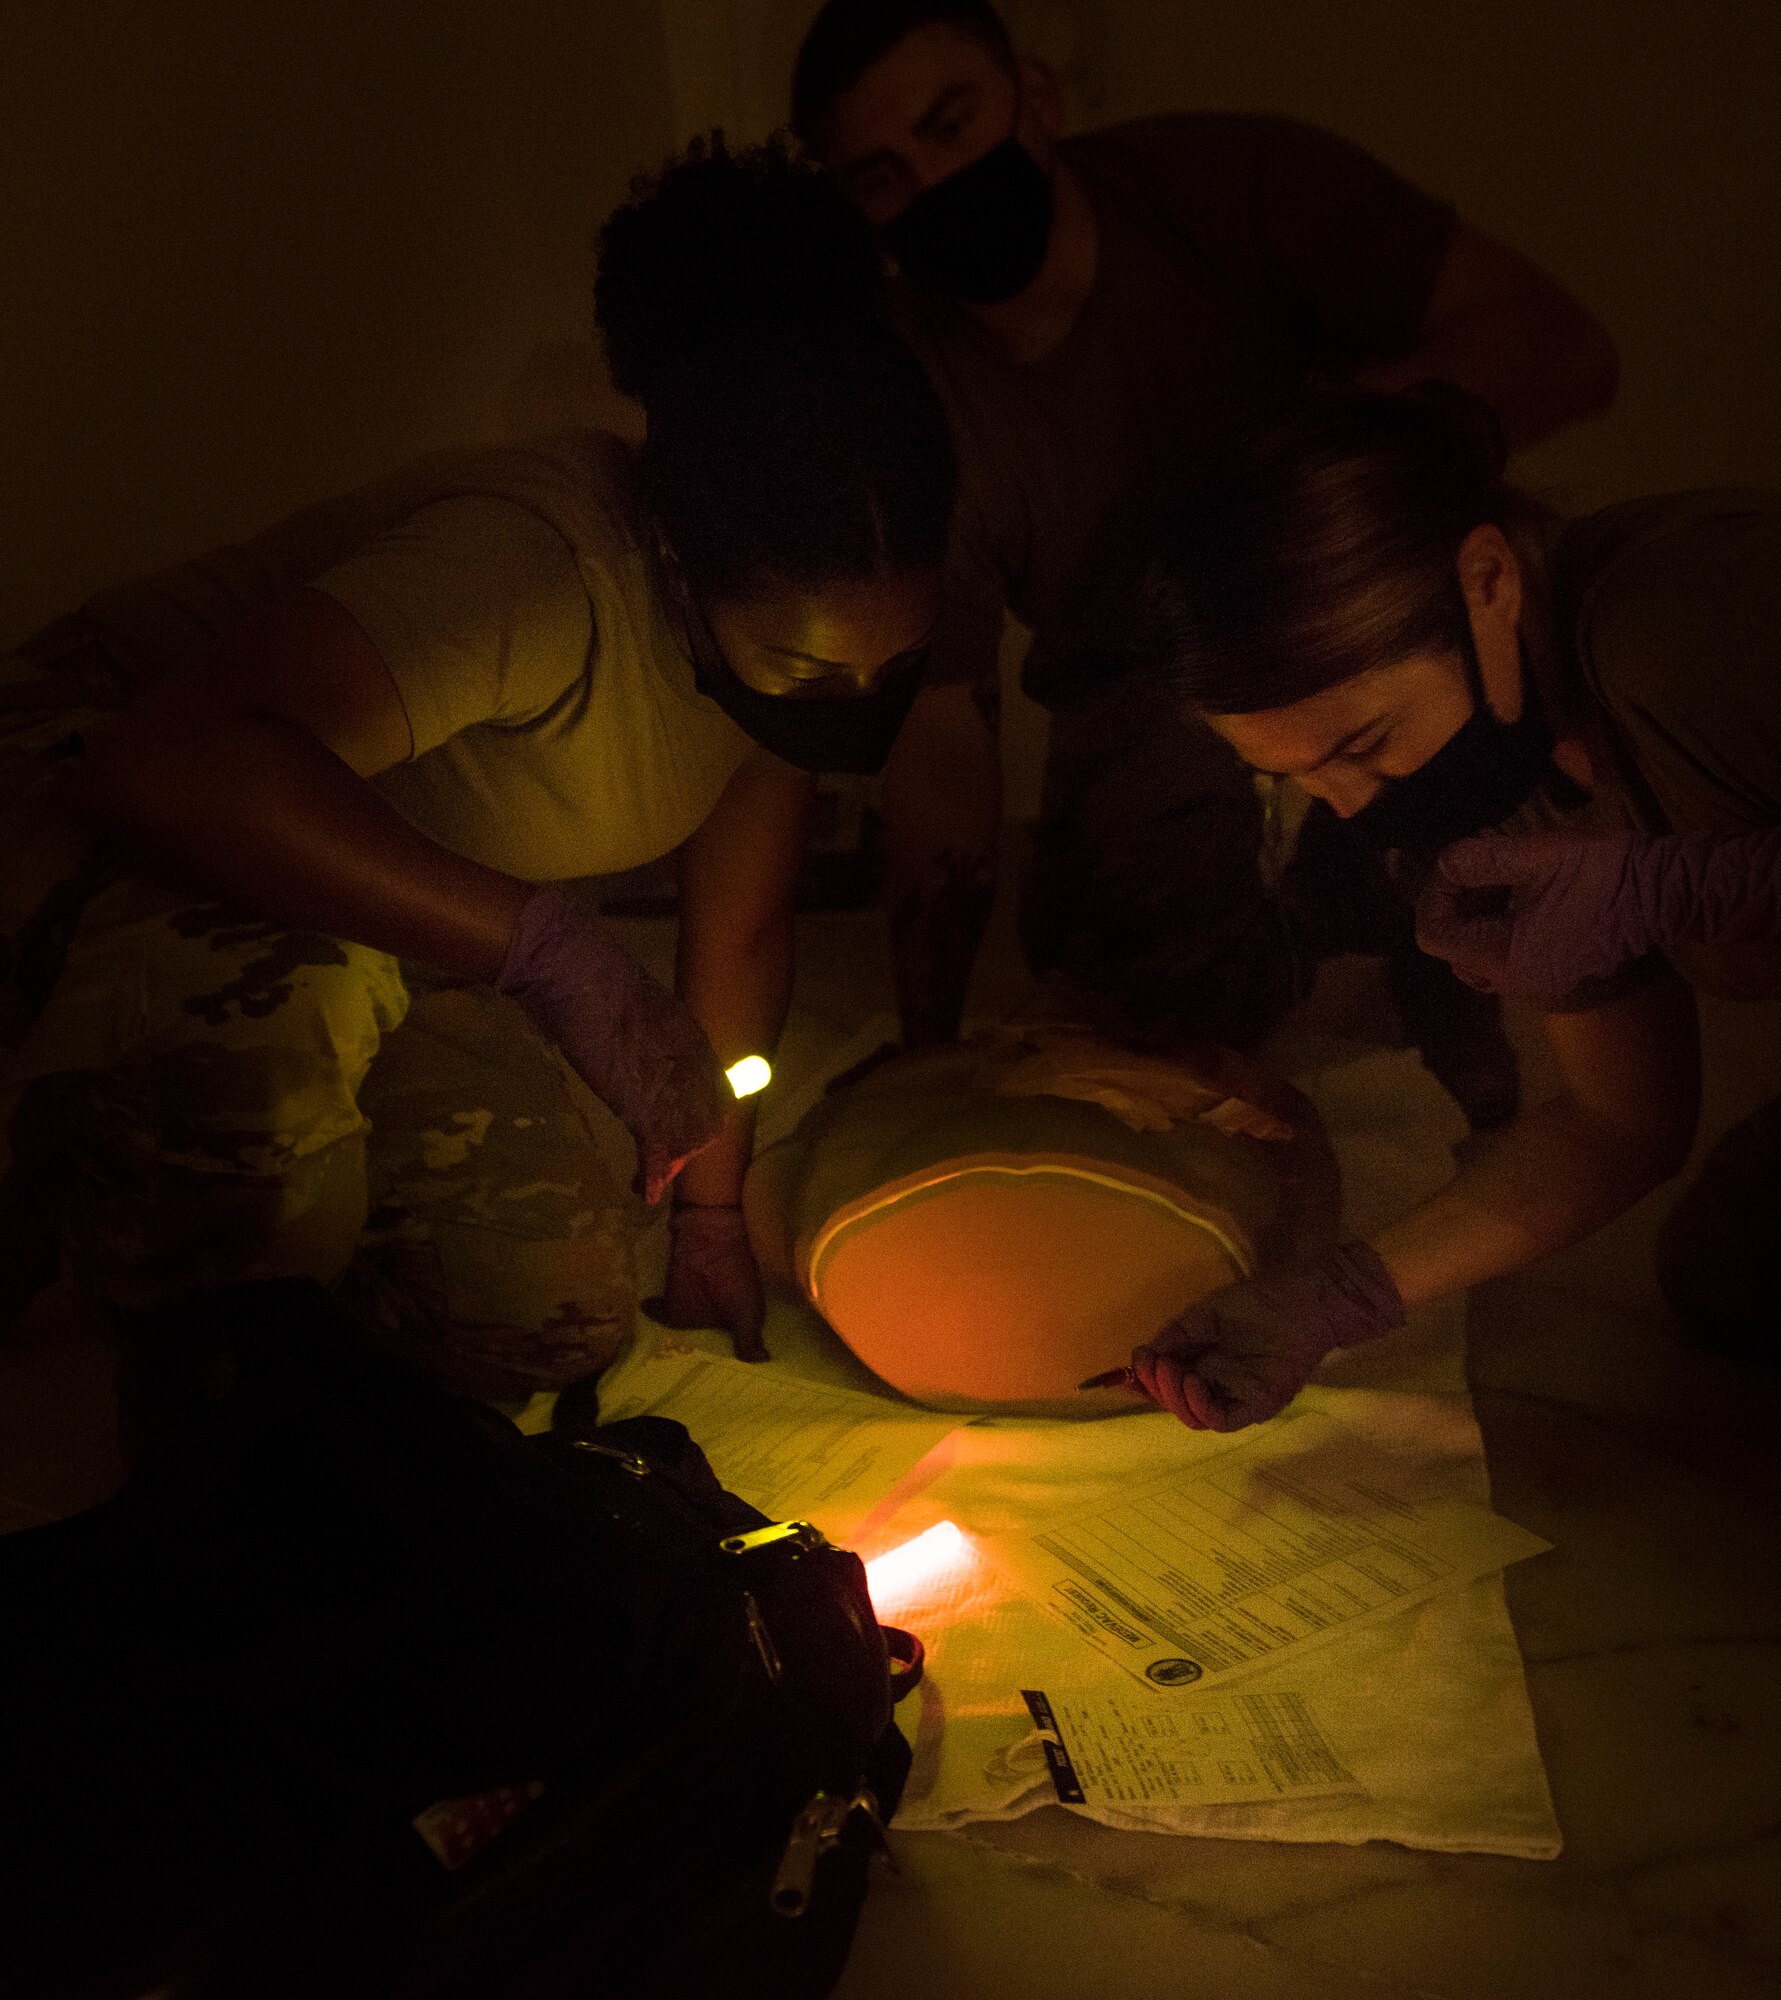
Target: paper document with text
{"x": 1134, "y": 1750}
{"x": 1262, "y": 1553}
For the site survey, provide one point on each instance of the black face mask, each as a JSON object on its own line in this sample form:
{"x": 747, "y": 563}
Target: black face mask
{"x": 814, "y": 732}
{"x": 980, "y": 234}
{"x": 1475, "y": 780}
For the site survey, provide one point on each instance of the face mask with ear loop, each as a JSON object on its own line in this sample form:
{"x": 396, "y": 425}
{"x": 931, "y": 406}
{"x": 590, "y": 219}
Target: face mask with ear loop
{"x": 981, "y": 234}
{"x": 852, "y": 733}
{"x": 1478, "y": 777}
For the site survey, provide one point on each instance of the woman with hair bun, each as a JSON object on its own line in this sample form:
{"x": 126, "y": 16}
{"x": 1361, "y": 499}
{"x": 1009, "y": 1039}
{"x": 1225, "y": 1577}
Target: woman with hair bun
{"x": 377, "y": 737}
{"x": 1567, "y": 736}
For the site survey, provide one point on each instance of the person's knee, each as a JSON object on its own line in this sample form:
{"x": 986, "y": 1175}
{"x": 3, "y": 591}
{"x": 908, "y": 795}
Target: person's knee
{"x": 498, "y": 1251}
{"x": 210, "y": 1066}
{"x": 245, "y": 1164}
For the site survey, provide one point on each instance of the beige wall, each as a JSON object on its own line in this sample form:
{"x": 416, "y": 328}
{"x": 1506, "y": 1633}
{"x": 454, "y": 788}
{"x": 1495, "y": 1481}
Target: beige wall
{"x": 1633, "y": 146}
{"x": 253, "y": 250}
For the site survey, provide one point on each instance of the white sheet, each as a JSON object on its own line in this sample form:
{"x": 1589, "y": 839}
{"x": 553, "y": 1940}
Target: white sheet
{"x": 1424, "y": 1711}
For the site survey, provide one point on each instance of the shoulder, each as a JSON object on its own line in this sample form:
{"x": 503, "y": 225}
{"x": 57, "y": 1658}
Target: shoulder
{"x": 583, "y": 482}
{"x": 1674, "y": 604}
{"x": 1649, "y": 585}
{"x": 1206, "y": 156}
{"x": 1188, "y": 138}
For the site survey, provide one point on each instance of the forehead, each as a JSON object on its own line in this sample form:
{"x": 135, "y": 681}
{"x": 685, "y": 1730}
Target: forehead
{"x": 1302, "y": 735}
{"x": 849, "y": 622}
{"x": 890, "y": 97}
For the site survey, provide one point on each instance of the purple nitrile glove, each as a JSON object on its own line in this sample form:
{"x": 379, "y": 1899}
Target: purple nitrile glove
{"x": 628, "y": 1038}
{"x": 1242, "y": 1354}
{"x": 1576, "y": 907}
{"x": 713, "y": 1279}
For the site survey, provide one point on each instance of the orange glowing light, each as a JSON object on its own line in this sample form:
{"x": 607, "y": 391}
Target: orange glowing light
{"x": 908, "y": 1566}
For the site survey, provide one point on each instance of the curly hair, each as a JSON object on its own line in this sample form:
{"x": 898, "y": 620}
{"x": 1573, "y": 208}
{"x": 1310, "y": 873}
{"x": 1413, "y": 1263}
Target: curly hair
{"x": 792, "y": 438}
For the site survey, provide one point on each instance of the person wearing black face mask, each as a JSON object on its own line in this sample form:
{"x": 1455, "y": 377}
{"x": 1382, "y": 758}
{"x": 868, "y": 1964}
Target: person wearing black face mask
{"x": 1094, "y": 309}
{"x": 388, "y": 732}
{"x": 832, "y": 716}
{"x": 1356, "y": 603}
{"x": 1485, "y": 771}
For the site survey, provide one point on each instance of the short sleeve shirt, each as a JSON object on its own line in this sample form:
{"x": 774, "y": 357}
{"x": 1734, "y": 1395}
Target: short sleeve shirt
{"x": 1674, "y": 607}
{"x": 1238, "y": 257}
{"x": 514, "y": 596}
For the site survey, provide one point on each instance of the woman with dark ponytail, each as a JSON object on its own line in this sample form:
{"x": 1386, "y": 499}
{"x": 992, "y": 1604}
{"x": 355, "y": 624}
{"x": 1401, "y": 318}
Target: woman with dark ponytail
{"x": 1567, "y": 736}
{"x": 385, "y": 730}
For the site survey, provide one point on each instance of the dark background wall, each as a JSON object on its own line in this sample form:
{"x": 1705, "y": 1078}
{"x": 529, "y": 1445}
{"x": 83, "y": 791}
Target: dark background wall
{"x": 250, "y": 253}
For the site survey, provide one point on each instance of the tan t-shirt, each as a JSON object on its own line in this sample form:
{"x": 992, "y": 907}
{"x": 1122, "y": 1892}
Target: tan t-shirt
{"x": 513, "y": 594}
{"x": 1237, "y": 256}
{"x": 1674, "y": 608}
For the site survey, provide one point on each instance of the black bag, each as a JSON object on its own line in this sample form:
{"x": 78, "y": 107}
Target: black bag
{"x": 355, "y": 1691}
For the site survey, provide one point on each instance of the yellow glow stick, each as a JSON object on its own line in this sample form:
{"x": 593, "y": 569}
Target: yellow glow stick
{"x": 752, "y": 1073}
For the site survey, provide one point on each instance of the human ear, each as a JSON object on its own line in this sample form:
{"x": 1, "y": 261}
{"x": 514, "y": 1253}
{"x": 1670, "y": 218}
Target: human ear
{"x": 1041, "y": 97}
{"x": 1490, "y": 581}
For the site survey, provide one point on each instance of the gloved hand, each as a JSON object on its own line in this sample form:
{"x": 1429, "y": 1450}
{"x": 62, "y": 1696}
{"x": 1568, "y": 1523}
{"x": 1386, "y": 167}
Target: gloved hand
{"x": 630, "y": 1040}
{"x": 1242, "y": 1354}
{"x": 1576, "y": 907}
{"x": 712, "y": 1278}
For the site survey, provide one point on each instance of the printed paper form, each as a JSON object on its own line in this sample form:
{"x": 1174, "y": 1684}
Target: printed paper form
{"x": 1262, "y": 1553}
{"x": 1132, "y": 1750}
{"x": 792, "y": 1448}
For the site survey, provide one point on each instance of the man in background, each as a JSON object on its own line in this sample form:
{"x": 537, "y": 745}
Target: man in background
{"x": 1095, "y": 309}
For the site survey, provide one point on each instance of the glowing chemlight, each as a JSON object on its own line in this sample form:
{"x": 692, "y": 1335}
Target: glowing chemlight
{"x": 752, "y": 1073}
{"x": 911, "y": 1564}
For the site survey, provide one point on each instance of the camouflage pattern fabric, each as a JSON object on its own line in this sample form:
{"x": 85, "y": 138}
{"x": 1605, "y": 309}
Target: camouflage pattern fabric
{"x": 497, "y": 1252}
{"x": 217, "y": 1114}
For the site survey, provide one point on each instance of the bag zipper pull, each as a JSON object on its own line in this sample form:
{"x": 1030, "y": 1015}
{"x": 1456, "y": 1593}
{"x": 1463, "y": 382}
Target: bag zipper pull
{"x": 800, "y": 1538}
{"x": 815, "y": 1830}
{"x": 640, "y": 1467}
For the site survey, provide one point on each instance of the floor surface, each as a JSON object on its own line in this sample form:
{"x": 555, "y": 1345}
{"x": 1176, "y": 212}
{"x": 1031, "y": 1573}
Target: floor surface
{"x": 1652, "y": 1638}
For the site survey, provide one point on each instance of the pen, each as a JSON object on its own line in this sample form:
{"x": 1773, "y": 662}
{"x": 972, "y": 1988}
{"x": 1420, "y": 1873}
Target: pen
{"x": 1110, "y": 1378}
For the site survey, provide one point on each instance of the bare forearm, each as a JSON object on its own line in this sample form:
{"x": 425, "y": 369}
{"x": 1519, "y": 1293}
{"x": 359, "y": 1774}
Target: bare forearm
{"x": 942, "y": 814}
{"x": 741, "y": 999}
{"x": 252, "y": 805}
{"x": 937, "y": 921}
{"x": 1547, "y": 1180}
{"x": 739, "y": 992}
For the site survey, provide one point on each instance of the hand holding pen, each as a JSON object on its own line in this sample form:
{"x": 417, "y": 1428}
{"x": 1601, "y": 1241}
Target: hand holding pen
{"x": 1240, "y": 1355}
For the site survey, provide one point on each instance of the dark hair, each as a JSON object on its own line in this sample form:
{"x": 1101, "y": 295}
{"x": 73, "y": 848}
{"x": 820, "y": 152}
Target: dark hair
{"x": 848, "y": 36}
{"x": 1318, "y": 540}
{"x": 792, "y": 438}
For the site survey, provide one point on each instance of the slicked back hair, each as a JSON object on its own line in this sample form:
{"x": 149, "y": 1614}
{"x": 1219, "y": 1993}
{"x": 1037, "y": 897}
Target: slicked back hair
{"x": 848, "y": 36}
{"x": 1319, "y": 541}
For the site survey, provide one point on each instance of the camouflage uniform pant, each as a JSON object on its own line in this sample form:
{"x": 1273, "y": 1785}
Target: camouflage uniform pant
{"x": 225, "y": 1098}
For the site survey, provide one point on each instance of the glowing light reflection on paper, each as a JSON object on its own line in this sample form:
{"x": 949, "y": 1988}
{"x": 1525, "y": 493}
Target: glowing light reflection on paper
{"x": 914, "y": 1566}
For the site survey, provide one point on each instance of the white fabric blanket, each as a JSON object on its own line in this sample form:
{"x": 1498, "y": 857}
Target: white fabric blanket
{"x": 1413, "y": 1727}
